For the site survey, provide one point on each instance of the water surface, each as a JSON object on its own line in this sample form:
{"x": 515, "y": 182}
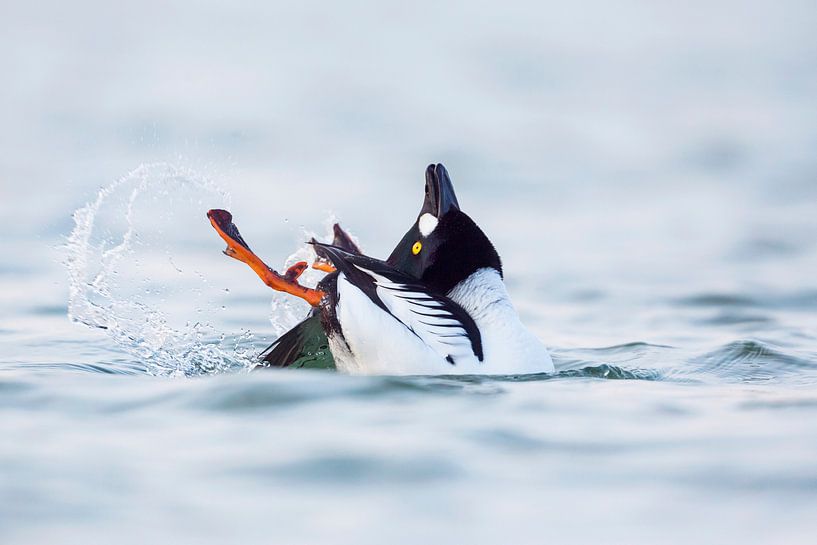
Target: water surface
{"x": 647, "y": 174}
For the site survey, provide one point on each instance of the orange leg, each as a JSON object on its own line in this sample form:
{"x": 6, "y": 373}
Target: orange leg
{"x": 222, "y": 222}
{"x": 323, "y": 266}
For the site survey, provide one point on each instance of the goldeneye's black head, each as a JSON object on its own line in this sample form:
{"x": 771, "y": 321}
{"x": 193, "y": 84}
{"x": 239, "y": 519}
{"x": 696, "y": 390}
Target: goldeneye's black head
{"x": 444, "y": 246}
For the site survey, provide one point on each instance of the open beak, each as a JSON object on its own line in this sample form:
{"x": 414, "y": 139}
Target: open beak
{"x": 237, "y": 248}
{"x": 440, "y": 196}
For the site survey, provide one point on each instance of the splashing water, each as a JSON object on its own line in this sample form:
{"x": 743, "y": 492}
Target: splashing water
{"x": 129, "y": 277}
{"x": 134, "y": 260}
{"x": 286, "y": 311}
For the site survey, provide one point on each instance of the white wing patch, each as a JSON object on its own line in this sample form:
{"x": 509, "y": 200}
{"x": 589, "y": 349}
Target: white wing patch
{"x": 436, "y": 326}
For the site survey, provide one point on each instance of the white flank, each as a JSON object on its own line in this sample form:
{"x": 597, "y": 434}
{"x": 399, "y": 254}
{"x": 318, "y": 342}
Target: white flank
{"x": 381, "y": 344}
{"x": 508, "y": 345}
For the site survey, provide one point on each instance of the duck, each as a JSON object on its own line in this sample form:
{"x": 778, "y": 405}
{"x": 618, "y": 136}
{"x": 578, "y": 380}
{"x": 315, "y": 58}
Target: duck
{"x": 437, "y": 305}
{"x": 439, "y": 308}
{"x": 306, "y": 345}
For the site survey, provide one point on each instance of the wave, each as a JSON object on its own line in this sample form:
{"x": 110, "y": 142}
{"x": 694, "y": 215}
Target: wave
{"x": 751, "y": 361}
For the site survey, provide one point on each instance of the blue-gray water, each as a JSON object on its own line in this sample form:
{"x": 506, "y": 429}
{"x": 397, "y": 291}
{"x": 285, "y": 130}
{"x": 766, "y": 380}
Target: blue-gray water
{"x": 648, "y": 174}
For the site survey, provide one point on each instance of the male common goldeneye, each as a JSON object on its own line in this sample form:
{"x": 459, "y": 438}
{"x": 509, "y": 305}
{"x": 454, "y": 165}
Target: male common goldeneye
{"x": 442, "y": 307}
{"x": 437, "y": 305}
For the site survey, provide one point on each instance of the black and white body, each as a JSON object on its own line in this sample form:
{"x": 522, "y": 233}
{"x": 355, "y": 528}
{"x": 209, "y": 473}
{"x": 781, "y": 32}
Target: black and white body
{"x": 438, "y": 306}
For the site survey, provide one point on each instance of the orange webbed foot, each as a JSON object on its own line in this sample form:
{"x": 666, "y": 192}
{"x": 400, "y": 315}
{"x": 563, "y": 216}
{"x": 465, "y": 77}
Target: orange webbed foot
{"x": 237, "y": 248}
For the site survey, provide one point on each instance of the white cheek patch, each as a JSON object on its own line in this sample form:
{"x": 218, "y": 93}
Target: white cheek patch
{"x": 427, "y": 224}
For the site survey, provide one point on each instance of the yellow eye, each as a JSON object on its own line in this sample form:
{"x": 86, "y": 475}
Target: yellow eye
{"x": 417, "y": 247}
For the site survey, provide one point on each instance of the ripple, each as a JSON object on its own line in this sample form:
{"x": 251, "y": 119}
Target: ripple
{"x": 717, "y": 300}
{"x": 50, "y": 310}
{"x": 611, "y": 372}
{"x": 792, "y": 300}
{"x": 735, "y": 318}
{"x": 342, "y": 469}
{"x": 792, "y": 401}
{"x": 13, "y": 386}
{"x": 751, "y": 361}
{"x": 118, "y": 368}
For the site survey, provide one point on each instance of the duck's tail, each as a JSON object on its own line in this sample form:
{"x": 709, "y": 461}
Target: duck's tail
{"x": 305, "y": 346}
